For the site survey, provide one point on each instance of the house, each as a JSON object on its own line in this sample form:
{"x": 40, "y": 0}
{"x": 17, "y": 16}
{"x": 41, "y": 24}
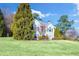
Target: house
{"x": 50, "y": 30}
{"x": 43, "y": 29}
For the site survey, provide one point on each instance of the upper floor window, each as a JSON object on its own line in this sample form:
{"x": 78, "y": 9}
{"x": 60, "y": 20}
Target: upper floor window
{"x": 49, "y": 29}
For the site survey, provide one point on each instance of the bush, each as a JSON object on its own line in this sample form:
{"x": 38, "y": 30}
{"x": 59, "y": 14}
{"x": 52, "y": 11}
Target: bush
{"x": 58, "y": 34}
{"x": 43, "y": 37}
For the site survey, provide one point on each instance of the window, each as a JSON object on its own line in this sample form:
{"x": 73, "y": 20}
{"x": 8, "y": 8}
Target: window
{"x": 49, "y": 29}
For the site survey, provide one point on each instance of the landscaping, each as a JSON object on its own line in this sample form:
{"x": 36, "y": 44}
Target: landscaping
{"x": 26, "y": 30}
{"x": 12, "y": 47}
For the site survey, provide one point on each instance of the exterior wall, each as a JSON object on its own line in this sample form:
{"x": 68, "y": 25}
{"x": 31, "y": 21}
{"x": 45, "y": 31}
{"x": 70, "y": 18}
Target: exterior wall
{"x": 49, "y": 30}
{"x": 53, "y": 33}
{"x": 50, "y": 34}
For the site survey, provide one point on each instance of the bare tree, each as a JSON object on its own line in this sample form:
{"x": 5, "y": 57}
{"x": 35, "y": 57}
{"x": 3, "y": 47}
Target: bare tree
{"x": 8, "y": 19}
{"x": 71, "y": 34}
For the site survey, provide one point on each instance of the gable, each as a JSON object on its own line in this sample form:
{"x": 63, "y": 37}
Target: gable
{"x": 51, "y": 26}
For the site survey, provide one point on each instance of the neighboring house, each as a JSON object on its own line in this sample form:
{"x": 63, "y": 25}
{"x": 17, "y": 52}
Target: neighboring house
{"x": 42, "y": 29}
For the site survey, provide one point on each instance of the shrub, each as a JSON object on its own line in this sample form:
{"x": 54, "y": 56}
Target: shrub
{"x": 58, "y": 34}
{"x": 40, "y": 37}
{"x": 43, "y": 37}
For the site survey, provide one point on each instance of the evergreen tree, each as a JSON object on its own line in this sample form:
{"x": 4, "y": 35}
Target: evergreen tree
{"x": 22, "y": 24}
{"x": 64, "y": 24}
{"x": 2, "y": 25}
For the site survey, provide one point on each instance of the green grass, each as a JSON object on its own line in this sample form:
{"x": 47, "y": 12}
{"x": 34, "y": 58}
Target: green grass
{"x": 9, "y": 46}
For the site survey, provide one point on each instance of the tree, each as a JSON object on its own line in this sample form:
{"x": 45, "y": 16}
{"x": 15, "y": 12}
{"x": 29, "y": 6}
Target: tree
{"x": 22, "y": 24}
{"x": 64, "y": 24}
{"x": 71, "y": 34}
{"x": 8, "y": 18}
{"x": 9, "y": 21}
{"x": 2, "y": 25}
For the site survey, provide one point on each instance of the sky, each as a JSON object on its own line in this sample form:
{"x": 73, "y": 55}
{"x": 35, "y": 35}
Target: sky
{"x": 50, "y": 11}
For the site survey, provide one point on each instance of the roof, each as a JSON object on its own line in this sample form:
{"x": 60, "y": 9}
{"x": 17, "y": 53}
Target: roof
{"x": 49, "y": 24}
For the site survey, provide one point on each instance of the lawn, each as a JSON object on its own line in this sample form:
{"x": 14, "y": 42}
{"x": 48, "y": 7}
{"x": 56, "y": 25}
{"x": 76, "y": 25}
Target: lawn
{"x": 11, "y": 47}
